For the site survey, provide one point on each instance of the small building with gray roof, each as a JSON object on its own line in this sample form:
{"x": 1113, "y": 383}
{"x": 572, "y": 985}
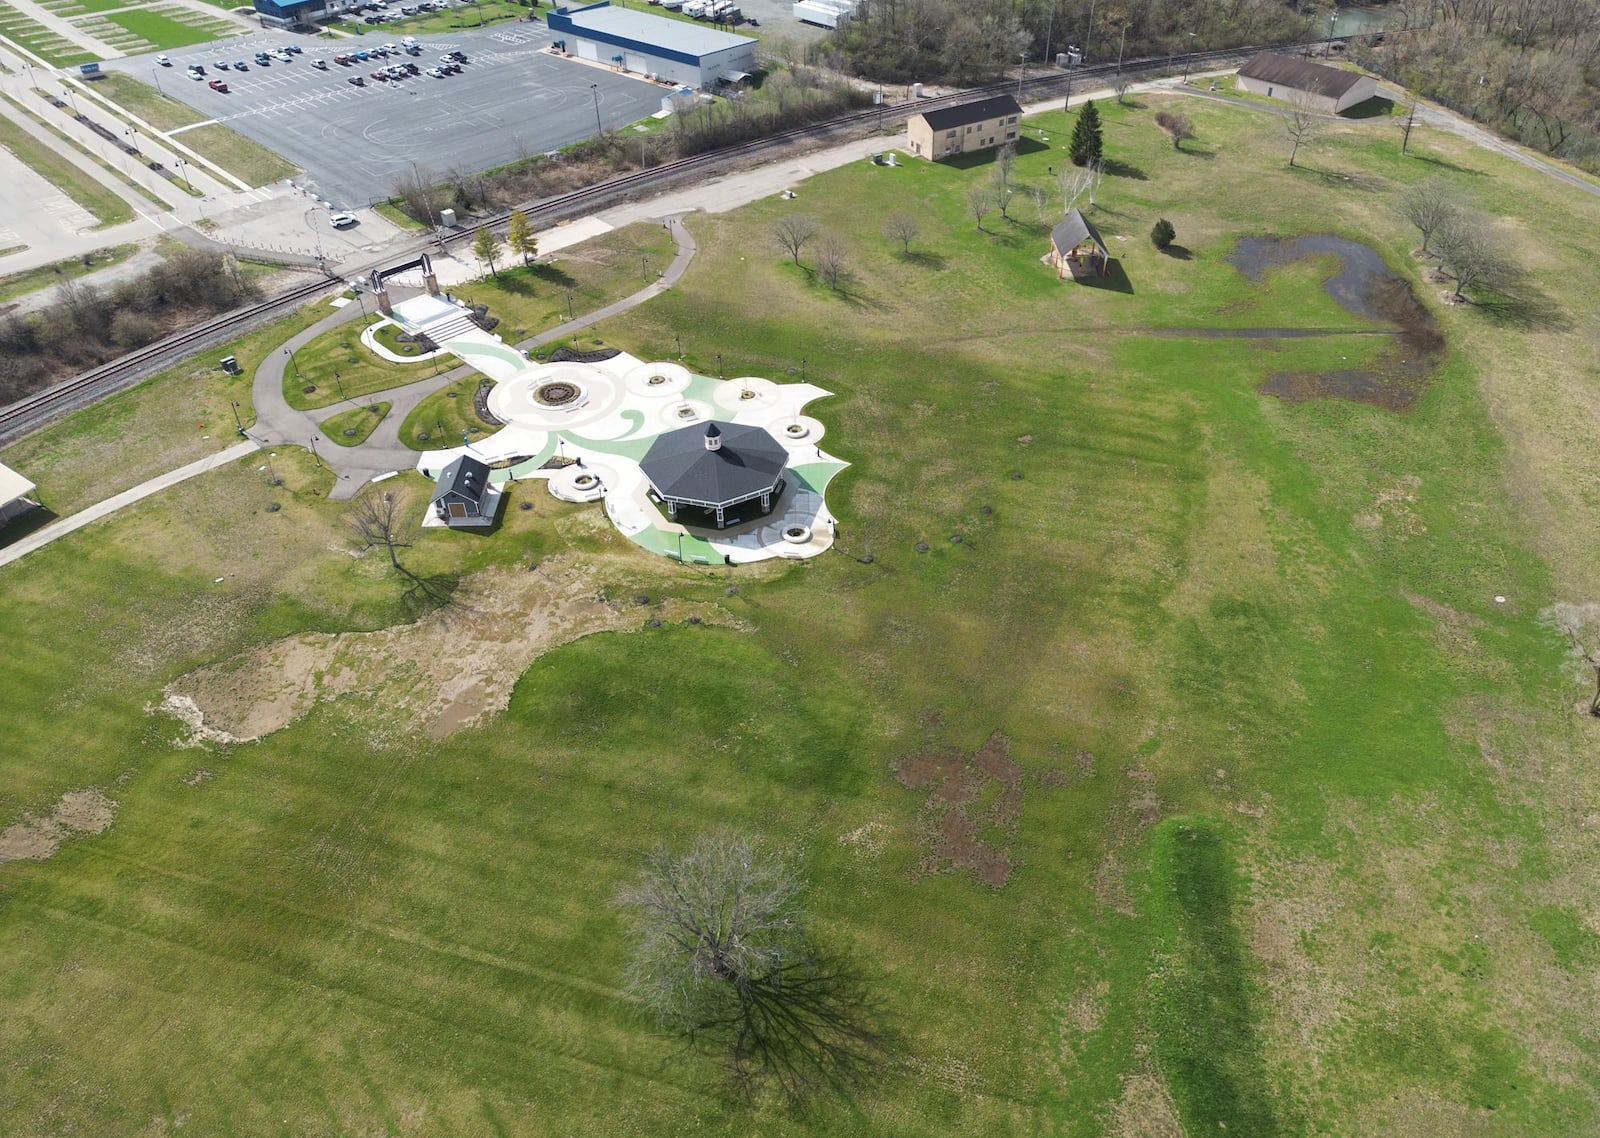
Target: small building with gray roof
{"x": 1331, "y": 90}
{"x": 673, "y": 50}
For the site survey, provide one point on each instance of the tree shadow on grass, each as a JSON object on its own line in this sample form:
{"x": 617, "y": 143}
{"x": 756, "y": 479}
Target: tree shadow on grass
{"x": 516, "y": 284}
{"x": 555, "y": 275}
{"x": 924, "y": 259}
{"x": 1178, "y": 252}
{"x": 1523, "y": 305}
{"x": 1338, "y": 179}
{"x": 1116, "y": 168}
{"x": 1197, "y": 152}
{"x": 1445, "y": 164}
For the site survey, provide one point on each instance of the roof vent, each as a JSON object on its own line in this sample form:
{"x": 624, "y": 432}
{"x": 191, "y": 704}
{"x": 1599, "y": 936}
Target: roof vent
{"x": 713, "y": 438}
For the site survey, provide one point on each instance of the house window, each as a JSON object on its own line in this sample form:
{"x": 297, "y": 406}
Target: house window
{"x": 1012, "y": 120}
{"x": 949, "y": 134}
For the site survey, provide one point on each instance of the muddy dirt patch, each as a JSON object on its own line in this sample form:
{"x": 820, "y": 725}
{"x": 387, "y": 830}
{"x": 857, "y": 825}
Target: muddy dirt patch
{"x": 973, "y": 809}
{"x": 1365, "y": 287}
{"x": 437, "y": 676}
{"x": 35, "y": 838}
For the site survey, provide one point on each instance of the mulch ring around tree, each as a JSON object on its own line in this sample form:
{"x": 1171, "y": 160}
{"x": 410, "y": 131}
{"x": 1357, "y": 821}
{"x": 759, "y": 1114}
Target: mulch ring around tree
{"x": 973, "y": 807}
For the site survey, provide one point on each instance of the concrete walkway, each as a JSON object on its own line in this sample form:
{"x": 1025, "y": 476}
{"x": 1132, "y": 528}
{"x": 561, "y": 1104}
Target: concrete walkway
{"x": 44, "y": 536}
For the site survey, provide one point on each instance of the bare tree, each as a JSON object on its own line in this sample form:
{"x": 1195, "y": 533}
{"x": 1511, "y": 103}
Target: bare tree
{"x": 1121, "y": 86}
{"x": 831, "y": 263}
{"x": 1430, "y": 205}
{"x": 980, "y": 200}
{"x": 1472, "y": 251}
{"x": 1073, "y": 183}
{"x": 793, "y": 232}
{"x": 1301, "y": 121}
{"x": 721, "y": 957}
{"x": 1005, "y": 161}
{"x": 1580, "y": 624}
{"x": 382, "y": 519}
{"x": 902, "y": 227}
{"x": 1095, "y": 173}
{"x": 1177, "y": 127}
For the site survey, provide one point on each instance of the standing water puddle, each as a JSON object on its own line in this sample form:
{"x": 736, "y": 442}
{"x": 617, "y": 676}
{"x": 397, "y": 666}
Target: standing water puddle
{"x": 1365, "y": 287}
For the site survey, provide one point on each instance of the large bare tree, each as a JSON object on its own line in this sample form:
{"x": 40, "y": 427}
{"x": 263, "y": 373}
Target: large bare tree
{"x": 383, "y": 519}
{"x": 722, "y": 958}
{"x": 902, "y": 227}
{"x": 1473, "y": 252}
{"x": 1580, "y": 624}
{"x": 832, "y": 263}
{"x": 980, "y": 200}
{"x": 1301, "y": 122}
{"x": 793, "y": 232}
{"x": 1430, "y": 205}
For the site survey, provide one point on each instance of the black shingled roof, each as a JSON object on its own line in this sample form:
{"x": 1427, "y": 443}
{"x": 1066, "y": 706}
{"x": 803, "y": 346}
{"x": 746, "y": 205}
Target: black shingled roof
{"x": 466, "y": 475}
{"x": 980, "y": 110}
{"x": 1300, "y": 74}
{"x": 1073, "y": 229}
{"x": 680, "y": 467}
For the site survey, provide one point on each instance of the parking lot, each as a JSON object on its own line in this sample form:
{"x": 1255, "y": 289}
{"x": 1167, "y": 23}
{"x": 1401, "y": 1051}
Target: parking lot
{"x": 510, "y": 100}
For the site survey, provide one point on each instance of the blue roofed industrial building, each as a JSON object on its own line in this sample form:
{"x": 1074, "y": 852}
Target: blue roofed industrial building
{"x": 672, "y": 50}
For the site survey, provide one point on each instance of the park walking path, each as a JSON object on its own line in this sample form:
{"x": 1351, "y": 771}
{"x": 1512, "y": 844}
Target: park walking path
{"x": 46, "y": 534}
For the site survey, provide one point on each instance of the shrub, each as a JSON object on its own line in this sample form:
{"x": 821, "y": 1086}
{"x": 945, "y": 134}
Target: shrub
{"x": 1162, "y": 234}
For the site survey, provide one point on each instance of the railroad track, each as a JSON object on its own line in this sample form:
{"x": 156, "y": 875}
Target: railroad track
{"x": 37, "y": 410}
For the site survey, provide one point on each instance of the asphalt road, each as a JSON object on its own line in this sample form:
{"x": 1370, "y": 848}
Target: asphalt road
{"x": 510, "y": 100}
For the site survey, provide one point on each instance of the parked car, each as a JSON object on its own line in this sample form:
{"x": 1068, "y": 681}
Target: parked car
{"x": 294, "y": 49}
{"x": 239, "y": 65}
{"x": 374, "y": 20}
{"x": 437, "y": 72}
{"x": 163, "y": 61}
{"x": 342, "y": 220}
{"x": 221, "y": 65}
{"x": 218, "y": 85}
{"x": 381, "y": 76}
{"x": 357, "y": 81}
{"x": 363, "y": 56}
{"x": 411, "y": 69}
{"x": 320, "y": 64}
{"x": 196, "y": 71}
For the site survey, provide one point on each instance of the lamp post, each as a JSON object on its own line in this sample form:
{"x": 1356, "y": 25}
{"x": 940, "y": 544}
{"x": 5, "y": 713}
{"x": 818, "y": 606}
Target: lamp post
{"x": 569, "y": 305}
{"x": 1023, "y": 74}
{"x": 677, "y": 342}
{"x": 644, "y": 266}
{"x": 295, "y": 362}
{"x": 1121, "y": 43}
{"x": 1333, "y": 22}
{"x": 314, "y": 453}
{"x": 272, "y": 474}
{"x": 133, "y": 135}
{"x": 156, "y": 71}
{"x": 594, "y": 90}
{"x": 237, "y": 422}
{"x": 719, "y": 367}
{"x": 337, "y": 382}
{"x": 1188, "y": 57}
{"x": 183, "y": 171}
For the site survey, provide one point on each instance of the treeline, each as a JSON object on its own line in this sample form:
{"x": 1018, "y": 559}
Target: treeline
{"x": 1528, "y": 68}
{"x": 964, "y": 41}
{"x": 86, "y": 326}
{"x": 782, "y": 98}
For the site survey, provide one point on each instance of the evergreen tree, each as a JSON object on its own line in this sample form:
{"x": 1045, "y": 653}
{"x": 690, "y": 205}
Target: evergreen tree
{"x": 1086, "y": 142}
{"x": 1163, "y": 234}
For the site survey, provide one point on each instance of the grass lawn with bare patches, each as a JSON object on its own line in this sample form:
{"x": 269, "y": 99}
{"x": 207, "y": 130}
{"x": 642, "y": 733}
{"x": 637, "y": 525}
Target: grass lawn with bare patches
{"x": 1295, "y": 840}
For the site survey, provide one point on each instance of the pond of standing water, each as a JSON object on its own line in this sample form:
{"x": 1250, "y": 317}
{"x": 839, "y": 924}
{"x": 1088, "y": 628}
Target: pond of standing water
{"x": 1364, "y": 286}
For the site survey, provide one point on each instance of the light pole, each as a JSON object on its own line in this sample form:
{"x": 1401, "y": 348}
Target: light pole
{"x": 316, "y": 234}
{"x": 295, "y": 362}
{"x": 337, "y": 382}
{"x": 569, "y": 305}
{"x": 237, "y": 422}
{"x": 677, "y": 342}
{"x": 133, "y": 135}
{"x": 719, "y": 367}
{"x": 1121, "y": 43}
{"x": 183, "y": 170}
{"x": 314, "y": 453}
{"x": 156, "y": 71}
{"x": 272, "y": 474}
{"x": 594, "y": 90}
{"x": 1188, "y": 57}
{"x": 1333, "y": 22}
{"x": 1023, "y": 75}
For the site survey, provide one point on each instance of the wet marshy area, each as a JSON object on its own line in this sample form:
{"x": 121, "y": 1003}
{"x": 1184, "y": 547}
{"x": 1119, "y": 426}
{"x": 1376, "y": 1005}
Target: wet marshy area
{"x": 1364, "y": 286}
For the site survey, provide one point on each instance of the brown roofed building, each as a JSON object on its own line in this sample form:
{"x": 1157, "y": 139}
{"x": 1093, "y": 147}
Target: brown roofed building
{"x": 1329, "y": 89}
{"x": 979, "y": 125}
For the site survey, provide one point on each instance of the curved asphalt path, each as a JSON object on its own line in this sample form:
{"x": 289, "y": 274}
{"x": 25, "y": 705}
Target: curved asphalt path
{"x": 278, "y": 424}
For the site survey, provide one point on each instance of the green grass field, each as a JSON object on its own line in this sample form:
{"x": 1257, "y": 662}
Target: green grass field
{"x": 164, "y": 31}
{"x": 360, "y": 422}
{"x": 158, "y": 109}
{"x": 106, "y": 206}
{"x": 50, "y": 46}
{"x": 244, "y": 159}
{"x": 1300, "y": 842}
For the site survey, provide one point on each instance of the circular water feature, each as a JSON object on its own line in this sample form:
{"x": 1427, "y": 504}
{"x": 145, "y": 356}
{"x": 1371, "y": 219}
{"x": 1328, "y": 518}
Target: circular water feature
{"x": 556, "y": 393}
{"x": 586, "y": 482}
{"x": 797, "y": 535}
{"x": 795, "y": 430}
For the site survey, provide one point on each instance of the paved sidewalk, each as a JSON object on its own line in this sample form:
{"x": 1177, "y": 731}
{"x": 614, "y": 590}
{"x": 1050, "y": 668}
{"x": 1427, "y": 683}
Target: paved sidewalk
{"x": 94, "y": 513}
